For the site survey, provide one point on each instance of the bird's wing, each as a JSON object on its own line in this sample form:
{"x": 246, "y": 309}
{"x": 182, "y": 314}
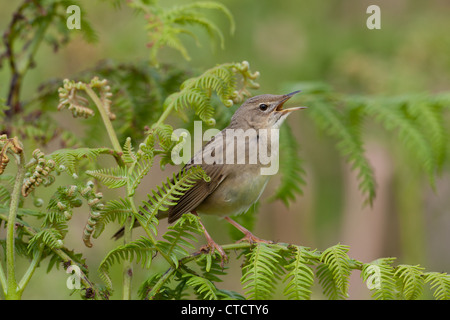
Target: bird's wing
{"x": 195, "y": 195}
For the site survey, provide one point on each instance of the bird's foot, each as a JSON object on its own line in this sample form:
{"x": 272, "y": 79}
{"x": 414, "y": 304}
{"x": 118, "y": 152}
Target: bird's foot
{"x": 211, "y": 246}
{"x": 252, "y": 239}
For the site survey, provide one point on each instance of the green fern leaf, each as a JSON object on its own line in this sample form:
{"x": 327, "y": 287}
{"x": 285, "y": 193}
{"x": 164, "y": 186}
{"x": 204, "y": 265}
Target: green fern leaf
{"x": 328, "y": 283}
{"x": 389, "y": 113}
{"x": 412, "y": 280}
{"x": 113, "y": 210}
{"x": 128, "y": 154}
{"x": 440, "y": 282}
{"x": 380, "y": 277}
{"x": 165, "y": 292}
{"x": 180, "y": 236}
{"x": 111, "y": 177}
{"x": 260, "y": 271}
{"x": 69, "y": 157}
{"x": 205, "y": 289}
{"x": 116, "y": 210}
{"x": 171, "y": 191}
{"x": 349, "y": 142}
{"x": 428, "y": 116}
{"x": 196, "y": 92}
{"x": 142, "y": 250}
{"x": 291, "y": 168}
{"x": 211, "y": 268}
{"x": 6, "y": 188}
{"x": 140, "y": 170}
{"x": 165, "y": 30}
{"x": 51, "y": 238}
{"x": 338, "y": 263}
{"x": 214, "y": 6}
{"x": 300, "y": 277}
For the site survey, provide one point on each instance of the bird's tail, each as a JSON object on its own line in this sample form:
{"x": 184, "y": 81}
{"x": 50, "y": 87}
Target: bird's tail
{"x": 119, "y": 234}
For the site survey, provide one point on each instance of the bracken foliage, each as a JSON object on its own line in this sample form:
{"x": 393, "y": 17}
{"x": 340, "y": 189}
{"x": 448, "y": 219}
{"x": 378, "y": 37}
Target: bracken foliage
{"x": 129, "y": 105}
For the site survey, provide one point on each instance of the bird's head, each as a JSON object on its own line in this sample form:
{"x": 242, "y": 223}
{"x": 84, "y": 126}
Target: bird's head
{"x": 263, "y": 112}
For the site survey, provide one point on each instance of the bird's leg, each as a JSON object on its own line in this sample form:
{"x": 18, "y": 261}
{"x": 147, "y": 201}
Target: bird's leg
{"x": 212, "y": 245}
{"x": 248, "y": 236}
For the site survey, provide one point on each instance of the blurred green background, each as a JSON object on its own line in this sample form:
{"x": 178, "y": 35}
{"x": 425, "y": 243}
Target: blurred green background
{"x": 290, "y": 42}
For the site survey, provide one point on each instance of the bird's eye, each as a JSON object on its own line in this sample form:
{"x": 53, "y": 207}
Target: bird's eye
{"x": 263, "y": 107}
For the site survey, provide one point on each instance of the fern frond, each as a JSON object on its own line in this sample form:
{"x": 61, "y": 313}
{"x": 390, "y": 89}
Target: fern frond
{"x": 111, "y": 177}
{"x": 164, "y": 30}
{"x": 300, "y": 277}
{"x": 141, "y": 250}
{"x": 129, "y": 156}
{"x": 440, "y": 282}
{"x": 260, "y": 271}
{"x": 429, "y": 117}
{"x": 69, "y": 157}
{"x": 164, "y": 293}
{"x": 113, "y": 210}
{"x": 61, "y": 204}
{"x": 412, "y": 280}
{"x": 139, "y": 172}
{"x": 180, "y": 236}
{"x": 389, "y": 113}
{"x": 328, "y": 283}
{"x": 116, "y": 210}
{"x": 205, "y": 289}
{"x": 291, "y": 168}
{"x": 171, "y": 191}
{"x": 338, "y": 263}
{"x": 380, "y": 277}
{"x": 211, "y": 268}
{"x": 6, "y": 188}
{"x": 50, "y": 237}
{"x": 214, "y": 6}
{"x": 196, "y": 92}
{"x": 349, "y": 142}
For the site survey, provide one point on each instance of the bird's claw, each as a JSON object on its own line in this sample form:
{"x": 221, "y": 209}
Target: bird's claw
{"x": 211, "y": 247}
{"x": 252, "y": 239}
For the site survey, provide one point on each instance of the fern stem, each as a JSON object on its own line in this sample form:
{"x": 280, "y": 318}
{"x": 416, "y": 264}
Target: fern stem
{"x": 84, "y": 279}
{"x": 165, "y": 277}
{"x": 127, "y": 265}
{"x": 164, "y": 115}
{"x": 106, "y": 121}
{"x": 59, "y": 252}
{"x": 30, "y": 271}
{"x": 3, "y": 281}
{"x": 12, "y": 292}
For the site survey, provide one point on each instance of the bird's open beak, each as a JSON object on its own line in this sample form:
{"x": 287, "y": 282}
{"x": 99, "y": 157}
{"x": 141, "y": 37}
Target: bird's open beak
{"x": 286, "y": 97}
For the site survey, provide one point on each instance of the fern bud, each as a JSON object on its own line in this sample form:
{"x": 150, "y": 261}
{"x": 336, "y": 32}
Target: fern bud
{"x": 70, "y": 192}
{"x": 38, "y": 202}
{"x": 254, "y": 75}
{"x": 67, "y": 214}
{"x": 244, "y": 66}
{"x": 211, "y": 122}
{"x": 61, "y": 206}
{"x": 90, "y": 184}
{"x": 51, "y": 164}
{"x": 228, "y": 103}
{"x": 77, "y": 202}
{"x": 59, "y": 244}
{"x": 93, "y": 202}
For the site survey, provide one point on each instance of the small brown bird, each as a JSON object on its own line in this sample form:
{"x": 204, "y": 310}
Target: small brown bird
{"x": 236, "y": 182}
